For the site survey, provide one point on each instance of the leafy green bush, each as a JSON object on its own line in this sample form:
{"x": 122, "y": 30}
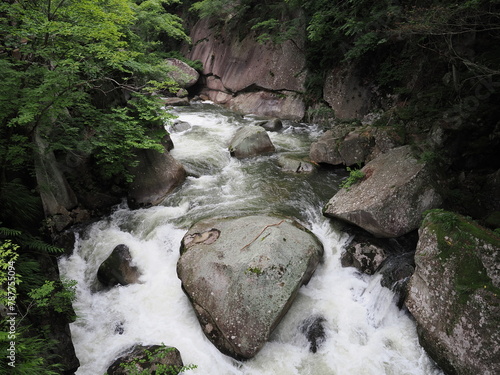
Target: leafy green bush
{"x": 355, "y": 175}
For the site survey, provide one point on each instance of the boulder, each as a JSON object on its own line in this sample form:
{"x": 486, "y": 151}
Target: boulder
{"x": 117, "y": 269}
{"x": 454, "y": 294}
{"x": 182, "y": 73}
{"x": 325, "y": 149}
{"x": 269, "y": 104}
{"x": 347, "y": 146}
{"x": 147, "y": 360}
{"x": 272, "y": 125}
{"x": 242, "y": 275}
{"x": 180, "y": 126}
{"x": 155, "y": 176}
{"x": 290, "y": 163}
{"x": 250, "y": 141}
{"x": 390, "y": 199}
{"x": 176, "y": 101}
{"x": 346, "y": 93}
{"x": 365, "y": 257}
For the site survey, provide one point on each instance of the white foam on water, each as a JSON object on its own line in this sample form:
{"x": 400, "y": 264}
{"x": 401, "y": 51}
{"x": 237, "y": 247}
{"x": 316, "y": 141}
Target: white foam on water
{"x": 365, "y": 333}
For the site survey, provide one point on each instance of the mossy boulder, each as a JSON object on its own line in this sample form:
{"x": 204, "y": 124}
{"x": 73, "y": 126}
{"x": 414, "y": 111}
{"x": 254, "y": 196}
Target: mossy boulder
{"x": 454, "y": 294}
{"x": 152, "y": 359}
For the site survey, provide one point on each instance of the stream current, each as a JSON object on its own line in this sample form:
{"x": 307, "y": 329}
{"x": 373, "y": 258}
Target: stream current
{"x": 366, "y": 334}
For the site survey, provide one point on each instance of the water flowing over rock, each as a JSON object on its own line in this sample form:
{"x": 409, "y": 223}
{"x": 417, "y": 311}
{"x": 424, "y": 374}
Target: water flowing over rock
{"x": 242, "y": 275}
{"x": 454, "y": 294}
{"x": 313, "y": 329}
{"x": 156, "y": 175}
{"x": 250, "y": 141}
{"x": 390, "y": 199}
{"x": 146, "y": 360}
{"x": 117, "y": 269}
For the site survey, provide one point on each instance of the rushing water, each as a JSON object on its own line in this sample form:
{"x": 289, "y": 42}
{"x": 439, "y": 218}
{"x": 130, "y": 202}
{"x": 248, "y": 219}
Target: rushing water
{"x": 365, "y": 332}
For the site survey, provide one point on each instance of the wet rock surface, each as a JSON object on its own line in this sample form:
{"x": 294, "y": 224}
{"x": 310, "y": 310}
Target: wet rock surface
{"x": 250, "y": 141}
{"x": 118, "y": 268}
{"x": 242, "y": 275}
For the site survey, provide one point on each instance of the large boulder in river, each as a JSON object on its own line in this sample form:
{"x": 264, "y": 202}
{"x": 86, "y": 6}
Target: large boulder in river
{"x": 155, "y": 176}
{"x": 150, "y": 359}
{"x": 118, "y": 268}
{"x": 250, "y": 141}
{"x": 454, "y": 294}
{"x": 390, "y": 199}
{"x": 242, "y": 275}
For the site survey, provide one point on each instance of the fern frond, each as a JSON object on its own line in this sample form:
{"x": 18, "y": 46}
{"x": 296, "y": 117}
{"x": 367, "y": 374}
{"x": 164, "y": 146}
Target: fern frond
{"x": 9, "y": 232}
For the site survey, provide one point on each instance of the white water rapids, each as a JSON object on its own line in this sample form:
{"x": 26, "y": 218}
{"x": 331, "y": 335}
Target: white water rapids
{"x": 365, "y": 332}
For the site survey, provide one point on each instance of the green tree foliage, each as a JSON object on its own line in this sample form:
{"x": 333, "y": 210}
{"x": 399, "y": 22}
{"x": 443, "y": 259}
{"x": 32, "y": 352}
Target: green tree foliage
{"x": 80, "y": 74}
{"x": 59, "y": 56}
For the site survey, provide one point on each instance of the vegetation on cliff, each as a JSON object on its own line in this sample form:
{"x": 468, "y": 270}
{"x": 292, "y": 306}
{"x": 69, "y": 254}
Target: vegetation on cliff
{"x": 80, "y": 75}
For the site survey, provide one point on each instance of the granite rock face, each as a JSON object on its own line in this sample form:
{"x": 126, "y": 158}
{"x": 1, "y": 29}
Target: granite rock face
{"x": 248, "y": 76}
{"x": 390, "y": 199}
{"x": 454, "y": 294}
{"x": 242, "y": 275}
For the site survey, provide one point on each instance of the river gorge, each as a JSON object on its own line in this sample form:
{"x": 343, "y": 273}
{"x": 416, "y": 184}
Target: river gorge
{"x": 364, "y": 331}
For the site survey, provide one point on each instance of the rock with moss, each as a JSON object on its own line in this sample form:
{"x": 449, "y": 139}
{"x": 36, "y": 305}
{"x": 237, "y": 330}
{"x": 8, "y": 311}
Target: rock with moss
{"x": 181, "y": 73}
{"x": 388, "y": 201}
{"x": 243, "y": 274}
{"x": 454, "y": 294}
{"x": 152, "y": 359}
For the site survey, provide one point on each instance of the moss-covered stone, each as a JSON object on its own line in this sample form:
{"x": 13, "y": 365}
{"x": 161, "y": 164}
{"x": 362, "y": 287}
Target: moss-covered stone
{"x": 454, "y": 293}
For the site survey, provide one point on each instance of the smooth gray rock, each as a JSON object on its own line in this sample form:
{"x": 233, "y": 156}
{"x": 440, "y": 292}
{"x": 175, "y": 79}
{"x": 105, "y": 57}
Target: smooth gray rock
{"x": 390, "y": 199}
{"x": 250, "y": 141}
{"x": 454, "y": 294}
{"x": 290, "y": 163}
{"x": 242, "y": 275}
{"x": 156, "y": 175}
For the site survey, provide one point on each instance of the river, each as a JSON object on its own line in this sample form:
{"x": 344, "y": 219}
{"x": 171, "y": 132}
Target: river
{"x": 365, "y": 332}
